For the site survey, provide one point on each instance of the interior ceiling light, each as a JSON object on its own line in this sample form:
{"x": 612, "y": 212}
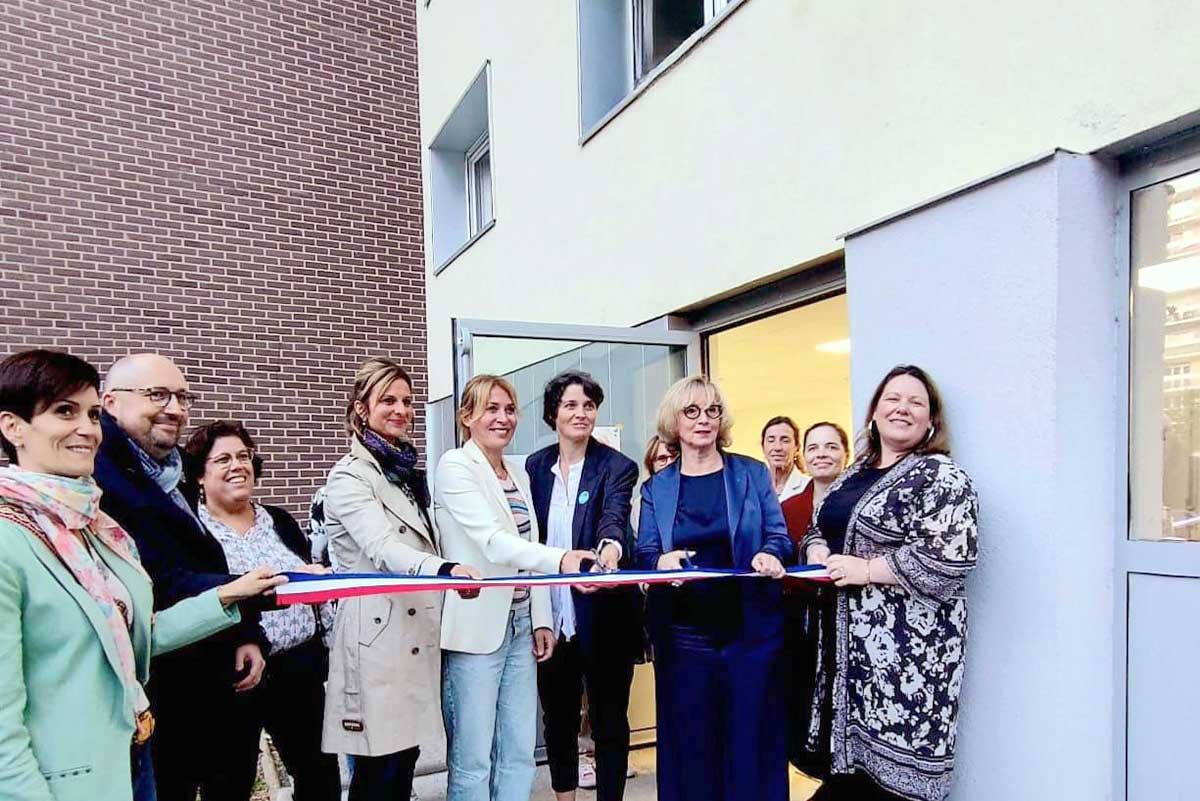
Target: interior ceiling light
{"x": 836, "y": 346}
{"x": 1169, "y": 276}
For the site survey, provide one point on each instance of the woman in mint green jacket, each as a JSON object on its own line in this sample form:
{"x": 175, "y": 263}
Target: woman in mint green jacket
{"x": 76, "y": 624}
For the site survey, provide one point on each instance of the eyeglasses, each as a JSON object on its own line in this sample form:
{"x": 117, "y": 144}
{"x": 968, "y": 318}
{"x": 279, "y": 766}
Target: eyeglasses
{"x": 663, "y": 458}
{"x": 226, "y": 459}
{"x": 161, "y": 396}
{"x": 714, "y": 412}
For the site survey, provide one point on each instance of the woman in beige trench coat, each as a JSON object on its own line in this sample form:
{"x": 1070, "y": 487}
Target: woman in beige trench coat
{"x": 383, "y": 699}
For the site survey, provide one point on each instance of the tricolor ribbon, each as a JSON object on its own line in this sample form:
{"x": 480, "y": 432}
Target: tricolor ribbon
{"x": 305, "y": 588}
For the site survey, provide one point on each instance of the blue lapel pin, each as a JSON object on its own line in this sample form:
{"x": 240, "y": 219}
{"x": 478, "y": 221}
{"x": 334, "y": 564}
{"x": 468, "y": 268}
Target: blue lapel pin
{"x": 583, "y": 496}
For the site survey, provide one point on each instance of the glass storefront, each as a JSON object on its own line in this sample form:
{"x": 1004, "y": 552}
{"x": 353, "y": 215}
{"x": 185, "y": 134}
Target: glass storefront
{"x": 1165, "y": 361}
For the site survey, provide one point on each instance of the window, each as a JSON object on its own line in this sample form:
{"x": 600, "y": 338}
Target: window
{"x": 461, "y": 185}
{"x": 622, "y": 42}
{"x": 661, "y": 26}
{"x": 479, "y": 185}
{"x": 1165, "y": 361}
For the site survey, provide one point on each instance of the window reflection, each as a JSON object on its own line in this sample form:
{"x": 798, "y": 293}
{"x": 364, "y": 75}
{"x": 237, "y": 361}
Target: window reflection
{"x": 1165, "y": 361}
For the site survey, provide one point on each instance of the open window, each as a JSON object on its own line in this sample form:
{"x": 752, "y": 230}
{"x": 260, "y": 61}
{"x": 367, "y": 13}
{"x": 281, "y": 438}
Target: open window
{"x": 623, "y": 42}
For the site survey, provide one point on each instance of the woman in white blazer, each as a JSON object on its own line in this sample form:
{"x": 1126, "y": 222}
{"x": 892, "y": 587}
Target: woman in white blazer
{"x": 383, "y": 698}
{"x": 489, "y": 673}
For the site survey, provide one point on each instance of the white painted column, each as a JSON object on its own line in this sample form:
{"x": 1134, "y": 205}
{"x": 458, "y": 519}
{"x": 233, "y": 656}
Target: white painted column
{"x": 1006, "y": 292}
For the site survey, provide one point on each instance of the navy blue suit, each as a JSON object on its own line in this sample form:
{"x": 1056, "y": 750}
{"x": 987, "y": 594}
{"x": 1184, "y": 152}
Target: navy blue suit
{"x": 191, "y": 690}
{"x": 608, "y": 624}
{"x": 719, "y": 682}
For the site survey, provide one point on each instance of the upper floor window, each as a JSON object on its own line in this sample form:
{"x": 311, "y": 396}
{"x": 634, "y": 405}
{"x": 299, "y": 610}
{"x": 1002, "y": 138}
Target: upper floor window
{"x": 623, "y": 42}
{"x": 661, "y": 26}
{"x": 1165, "y": 360}
{"x": 479, "y": 185}
{"x": 461, "y": 201}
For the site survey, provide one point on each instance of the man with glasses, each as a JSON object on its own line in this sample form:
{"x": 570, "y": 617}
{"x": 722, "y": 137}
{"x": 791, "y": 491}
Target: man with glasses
{"x": 146, "y": 403}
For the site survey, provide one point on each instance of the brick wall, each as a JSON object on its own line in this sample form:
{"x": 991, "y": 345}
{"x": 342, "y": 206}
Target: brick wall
{"x": 235, "y": 184}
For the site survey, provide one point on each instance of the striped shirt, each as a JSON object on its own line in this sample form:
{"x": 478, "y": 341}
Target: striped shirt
{"x": 520, "y": 513}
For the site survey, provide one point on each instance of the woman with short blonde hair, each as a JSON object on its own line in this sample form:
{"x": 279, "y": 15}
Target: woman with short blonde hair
{"x": 685, "y": 392}
{"x": 475, "y": 398}
{"x": 489, "y": 646}
{"x": 718, "y": 673}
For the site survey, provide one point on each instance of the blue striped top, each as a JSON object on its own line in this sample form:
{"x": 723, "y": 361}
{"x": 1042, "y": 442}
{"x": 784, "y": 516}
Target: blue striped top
{"x": 520, "y": 513}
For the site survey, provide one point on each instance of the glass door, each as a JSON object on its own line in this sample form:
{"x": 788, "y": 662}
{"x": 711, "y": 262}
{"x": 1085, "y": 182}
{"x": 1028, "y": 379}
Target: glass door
{"x": 1158, "y": 556}
{"x": 635, "y": 366}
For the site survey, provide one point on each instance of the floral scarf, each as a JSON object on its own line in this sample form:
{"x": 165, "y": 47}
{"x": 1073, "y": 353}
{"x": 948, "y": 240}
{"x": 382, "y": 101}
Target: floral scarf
{"x": 399, "y": 464}
{"x": 60, "y": 506}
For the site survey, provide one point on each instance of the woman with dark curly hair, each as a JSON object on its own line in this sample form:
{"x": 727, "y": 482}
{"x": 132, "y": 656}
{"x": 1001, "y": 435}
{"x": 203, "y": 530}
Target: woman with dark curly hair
{"x": 77, "y": 626}
{"x": 222, "y": 467}
{"x": 897, "y": 531}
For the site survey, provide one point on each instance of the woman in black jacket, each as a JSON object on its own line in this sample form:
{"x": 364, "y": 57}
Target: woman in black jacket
{"x": 221, "y": 466}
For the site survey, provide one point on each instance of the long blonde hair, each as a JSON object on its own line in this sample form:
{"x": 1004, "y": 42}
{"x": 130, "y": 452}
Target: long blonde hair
{"x": 379, "y": 371}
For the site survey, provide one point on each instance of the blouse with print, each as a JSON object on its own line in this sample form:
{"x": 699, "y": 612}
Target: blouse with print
{"x": 261, "y": 545}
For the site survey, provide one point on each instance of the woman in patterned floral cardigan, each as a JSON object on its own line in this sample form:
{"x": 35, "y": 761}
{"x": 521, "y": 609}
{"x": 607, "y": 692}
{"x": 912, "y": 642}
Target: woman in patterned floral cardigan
{"x": 898, "y": 533}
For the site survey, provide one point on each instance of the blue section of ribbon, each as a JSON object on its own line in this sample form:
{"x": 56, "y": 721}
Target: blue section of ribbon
{"x": 799, "y": 570}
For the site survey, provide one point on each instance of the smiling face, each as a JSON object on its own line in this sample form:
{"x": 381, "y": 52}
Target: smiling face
{"x": 779, "y": 447}
{"x": 228, "y": 479}
{"x": 493, "y": 429}
{"x": 902, "y": 414}
{"x": 59, "y": 440}
{"x": 156, "y": 429}
{"x": 389, "y": 410}
{"x": 576, "y": 417}
{"x": 824, "y": 455}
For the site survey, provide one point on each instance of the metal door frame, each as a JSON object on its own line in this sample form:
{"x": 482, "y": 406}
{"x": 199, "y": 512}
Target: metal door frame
{"x": 1136, "y": 557}
{"x": 463, "y": 331}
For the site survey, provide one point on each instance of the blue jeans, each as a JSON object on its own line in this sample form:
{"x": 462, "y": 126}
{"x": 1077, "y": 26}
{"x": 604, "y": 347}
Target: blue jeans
{"x": 489, "y": 703}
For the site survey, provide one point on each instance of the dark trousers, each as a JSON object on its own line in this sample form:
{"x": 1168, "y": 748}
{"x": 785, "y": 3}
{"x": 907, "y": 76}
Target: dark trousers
{"x": 853, "y": 787}
{"x": 722, "y": 726}
{"x": 561, "y": 681}
{"x": 143, "y": 773}
{"x": 192, "y": 747}
{"x": 805, "y": 614}
{"x": 384, "y": 778}
{"x": 289, "y": 703}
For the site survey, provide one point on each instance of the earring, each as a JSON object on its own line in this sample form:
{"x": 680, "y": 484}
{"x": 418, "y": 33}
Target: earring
{"x": 202, "y": 499}
{"x": 871, "y": 428}
{"x": 929, "y": 436}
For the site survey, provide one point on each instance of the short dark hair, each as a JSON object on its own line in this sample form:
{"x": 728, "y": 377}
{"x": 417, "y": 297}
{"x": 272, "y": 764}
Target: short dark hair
{"x": 555, "y": 387}
{"x": 201, "y": 442}
{"x": 33, "y": 379}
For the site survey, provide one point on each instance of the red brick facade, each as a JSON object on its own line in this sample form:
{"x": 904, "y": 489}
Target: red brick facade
{"x": 235, "y": 184}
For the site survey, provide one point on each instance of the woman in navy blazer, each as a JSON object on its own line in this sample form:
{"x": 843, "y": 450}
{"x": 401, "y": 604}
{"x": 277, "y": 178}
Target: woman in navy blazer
{"x": 581, "y": 492}
{"x": 722, "y": 730}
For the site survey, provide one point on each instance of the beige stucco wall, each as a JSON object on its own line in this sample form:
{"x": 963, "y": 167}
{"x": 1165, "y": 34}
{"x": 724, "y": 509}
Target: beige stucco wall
{"x": 791, "y": 124}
